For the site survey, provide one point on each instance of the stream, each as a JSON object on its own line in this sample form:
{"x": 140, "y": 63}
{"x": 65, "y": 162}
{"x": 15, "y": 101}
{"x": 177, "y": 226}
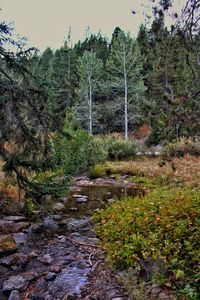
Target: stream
{"x": 59, "y": 257}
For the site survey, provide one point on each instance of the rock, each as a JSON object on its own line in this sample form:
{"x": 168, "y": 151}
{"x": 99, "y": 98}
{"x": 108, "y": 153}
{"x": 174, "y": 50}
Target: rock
{"x": 57, "y": 218}
{"x": 163, "y": 296}
{"x": 58, "y": 207}
{"x": 18, "y": 259}
{"x": 47, "y": 296}
{"x": 69, "y": 282}
{"x": 62, "y": 222}
{"x": 85, "y": 239}
{"x": 15, "y": 295}
{"x": 30, "y": 275}
{"x": 78, "y": 196}
{"x": 62, "y": 239}
{"x": 111, "y": 200}
{"x": 12, "y": 227}
{"x": 73, "y": 209}
{"x": 36, "y": 228}
{"x": 65, "y": 200}
{"x": 14, "y": 283}
{"x": 20, "y": 238}
{"x": 50, "y": 225}
{"x": 21, "y": 226}
{"x": 15, "y": 218}
{"x": 81, "y": 200}
{"x": 50, "y": 276}
{"x": 76, "y": 225}
{"x": 32, "y": 255}
{"x": 46, "y": 259}
{"x": 6, "y": 226}
{"x": 56, "y": 268}
{"x": 7, "y": 243}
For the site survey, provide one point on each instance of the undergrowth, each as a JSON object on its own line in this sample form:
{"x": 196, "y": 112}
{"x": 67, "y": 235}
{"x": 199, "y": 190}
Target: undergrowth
{"x": 162, "y": 225}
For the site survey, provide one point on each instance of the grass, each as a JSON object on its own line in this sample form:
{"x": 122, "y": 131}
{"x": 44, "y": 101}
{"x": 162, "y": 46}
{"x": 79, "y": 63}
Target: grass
{"x": 176, "y": 171}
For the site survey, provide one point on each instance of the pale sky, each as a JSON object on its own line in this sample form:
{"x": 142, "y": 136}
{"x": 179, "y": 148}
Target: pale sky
{"x": 46, "y": 22}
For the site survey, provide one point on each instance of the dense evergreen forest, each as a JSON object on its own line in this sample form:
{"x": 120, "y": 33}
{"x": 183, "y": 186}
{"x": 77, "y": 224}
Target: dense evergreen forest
{"x": 101, "y": 86}
{"x": 79, "y": 111}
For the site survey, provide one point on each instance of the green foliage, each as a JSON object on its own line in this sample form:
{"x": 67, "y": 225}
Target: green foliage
{"x": 29, "y": 207}
{"x": 77, "y": 154}
{"x": 97, "y": 171}
{"x": 119, "y": 149}
{"x": 163, "y": 225}
{"x": 189, "y": 292}
{"x": 181, "y": 148}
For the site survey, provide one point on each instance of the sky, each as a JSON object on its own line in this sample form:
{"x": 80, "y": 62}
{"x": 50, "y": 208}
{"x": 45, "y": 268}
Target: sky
{"x": 46, "y": 22}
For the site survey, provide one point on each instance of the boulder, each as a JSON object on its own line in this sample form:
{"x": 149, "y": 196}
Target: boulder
{"x": 50, "y": 225}
{"x": 18, "y": 259}
{"x": 12, "y": 227}
{"x": 15, "y": 295}
{"x": 7, "y": 243}
{"x": 78, "y": 225}
{"x": 81, "y": 200}
{"x": 6, "y": 226}
{"x": 15, "y": 283}
{"x": 50, "y": 276}
{"x": 15, "y": 218}
{"x": 20, "y": 238}
{"x": 46, "y": 259}
{"x": 58, "y": 207}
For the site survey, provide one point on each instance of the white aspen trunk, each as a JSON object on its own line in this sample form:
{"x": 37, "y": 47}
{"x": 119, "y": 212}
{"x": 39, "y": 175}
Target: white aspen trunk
{"x": 69, "y": 65}
{"x": 125, "y": 98}
{"x": 90, "y": 106}
{"x": 69, "y": 75}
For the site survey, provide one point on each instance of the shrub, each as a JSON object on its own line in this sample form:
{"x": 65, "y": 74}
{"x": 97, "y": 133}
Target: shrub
{"x": 163, "y": 225}
{"x": 119, "y": 149}
{"x": 78, "y": 153}
{"x": 181, "y": 148}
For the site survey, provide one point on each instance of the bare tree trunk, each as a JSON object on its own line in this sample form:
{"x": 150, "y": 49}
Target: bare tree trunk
{"x": 90, "y": 106}
{"x": 125, "y": 99}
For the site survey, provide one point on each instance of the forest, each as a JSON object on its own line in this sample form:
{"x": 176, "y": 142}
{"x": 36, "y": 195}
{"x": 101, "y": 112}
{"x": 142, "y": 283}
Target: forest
{"x": 100, "y": 163}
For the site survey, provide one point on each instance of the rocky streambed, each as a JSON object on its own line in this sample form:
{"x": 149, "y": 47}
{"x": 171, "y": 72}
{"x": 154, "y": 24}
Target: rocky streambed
{"x": 58, "y": 257}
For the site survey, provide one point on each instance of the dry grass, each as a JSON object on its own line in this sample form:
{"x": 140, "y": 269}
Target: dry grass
{"x": 185, "y": 170}
{"x": 11, "y": 198}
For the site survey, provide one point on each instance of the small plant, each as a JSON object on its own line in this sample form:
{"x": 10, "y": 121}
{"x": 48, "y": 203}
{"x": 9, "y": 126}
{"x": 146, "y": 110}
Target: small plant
{"x": 189, "y": 292}
{"x": 97, "y": 171}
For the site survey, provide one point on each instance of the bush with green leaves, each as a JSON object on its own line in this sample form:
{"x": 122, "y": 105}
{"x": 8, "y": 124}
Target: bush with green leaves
{"x": 119, "y": 149}
{"x": 164, "y": 225}
{"x": 181, "y": 148}
{"x": 79, "y": 152}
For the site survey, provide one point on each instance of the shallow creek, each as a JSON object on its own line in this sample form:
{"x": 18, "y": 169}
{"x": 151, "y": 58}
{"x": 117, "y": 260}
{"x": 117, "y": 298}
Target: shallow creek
{"x": 58, "y": 257}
